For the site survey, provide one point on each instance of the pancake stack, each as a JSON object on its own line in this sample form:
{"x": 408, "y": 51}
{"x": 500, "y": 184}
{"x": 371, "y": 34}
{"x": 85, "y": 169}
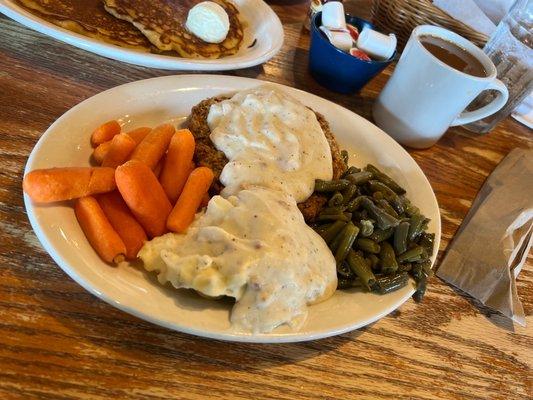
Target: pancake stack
{"x": 163, "y": 23}
{"x": 89, "y": 18}
{"x": 157, "y": 25}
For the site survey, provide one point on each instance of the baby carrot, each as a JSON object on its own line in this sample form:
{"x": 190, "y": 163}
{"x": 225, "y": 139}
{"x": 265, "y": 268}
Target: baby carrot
{"x": 139, "y": 134}
{"x": 58, "y": 184}
{"x": 190, "y": 198}
{"x": 98, "y": 230}
{"x": 159, "y": 167}
{"x": 123, "y": 221}
{"x": 144, "y": 195}
{"x": 154, "y": 145}
{"x": 105, "y": 132}
{"x": 122, "y": 145}
{"x": 100, "y": 152}
{"x": 177, "y": 163}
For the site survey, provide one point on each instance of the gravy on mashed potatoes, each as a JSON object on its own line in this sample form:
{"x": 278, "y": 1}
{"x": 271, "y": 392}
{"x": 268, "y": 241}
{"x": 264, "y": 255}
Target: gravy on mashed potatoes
{"x": 252, "y": 242}
{"x": 255, "y": 247}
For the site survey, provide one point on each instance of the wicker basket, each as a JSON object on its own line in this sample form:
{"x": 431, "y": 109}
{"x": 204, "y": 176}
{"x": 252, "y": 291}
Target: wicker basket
{"x": 402, "y": 16}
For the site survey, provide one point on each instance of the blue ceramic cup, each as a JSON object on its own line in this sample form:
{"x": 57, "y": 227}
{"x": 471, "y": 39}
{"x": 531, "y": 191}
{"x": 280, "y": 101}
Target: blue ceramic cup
{"x": 335, "y": 69}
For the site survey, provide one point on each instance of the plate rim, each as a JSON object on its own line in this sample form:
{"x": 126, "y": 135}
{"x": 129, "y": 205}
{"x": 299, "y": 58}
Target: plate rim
{"x": 229, "y": 336}
{"x": 14, "y": 11}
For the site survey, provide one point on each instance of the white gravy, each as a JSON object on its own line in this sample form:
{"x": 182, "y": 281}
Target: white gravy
{"x": 255, "y": 247}
{"x": 252, "y": 242}
{"x": 270, "y": 140}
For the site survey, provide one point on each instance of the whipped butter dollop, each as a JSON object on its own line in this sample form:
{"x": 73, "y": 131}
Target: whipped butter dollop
{"x": 270, "y": 140}
{"x": 255, "y": 247}
{"x": 208, "y": 21}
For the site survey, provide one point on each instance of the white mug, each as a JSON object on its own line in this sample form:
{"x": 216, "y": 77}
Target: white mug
{"x": 425, "y": 96}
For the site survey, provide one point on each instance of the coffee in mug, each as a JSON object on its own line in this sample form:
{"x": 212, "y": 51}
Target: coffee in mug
{"x": 439, "y": 73}
{"x": 453, "y": 55}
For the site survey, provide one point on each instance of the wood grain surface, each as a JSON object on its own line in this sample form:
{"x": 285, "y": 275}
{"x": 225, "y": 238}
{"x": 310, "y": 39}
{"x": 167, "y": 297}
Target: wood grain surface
{"x": 59, "y": 342}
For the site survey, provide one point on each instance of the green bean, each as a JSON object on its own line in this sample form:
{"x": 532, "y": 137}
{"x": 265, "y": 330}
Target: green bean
{"x": 416, "y": 271}
{"x": 344, "y": 283}
{"x": 389, "y": 264}
{"x": 361, "y": 269}
{"x": 383, "y": 220}
{"x": 349, "y": 233}
{"x": 334, "y": 245}
{"x": 349, "y": 193}
{"x": 360, "y": 177}
{"x": 357, "y": 216}
{"x": 425, "y": 224}
{"x": 387, "y": 284}
{"x": 331, "y": 186}
{"x": 345, "y": 156}
{"x": 377, "y": 196}
{"x": 383, "y": 178}
{"x": 366, "y": 227}
{"x": 406, "y": 267}
{"x": 413, "y": 254}
{"x": 400, "y": 237}
{"x": 351, "y": 170}
{"x": 354, "y": 204}
{"x": 336, "y": 200}
{"x": 374, "y": 261}
{"x": 415, "y": 227}
{"x": 426, "y": 268}
{"x": 332, "y": 210}
{"x": 410, "y": 209}
{"x": 388, "y": 194}
{"x": 344, "y": 271}
{"x": 368, "y": 245}
{"x": 333, "y": 230}
{"x": 427, "y": 241}
{"x": 335, "y": 217}
{"x": 321, "y": 228}
{"x": 421, "y": 285}
{"x": 379, "y": 235}
{"x": 385, "y": 205}
{"x": 421, "y": 269}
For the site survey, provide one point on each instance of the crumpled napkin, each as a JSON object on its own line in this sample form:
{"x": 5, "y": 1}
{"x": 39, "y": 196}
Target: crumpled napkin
{"x": 492, "y": 244}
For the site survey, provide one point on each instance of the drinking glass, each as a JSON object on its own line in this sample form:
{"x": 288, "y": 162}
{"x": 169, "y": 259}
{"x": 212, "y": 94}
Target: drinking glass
{"x": 510, "y": 49}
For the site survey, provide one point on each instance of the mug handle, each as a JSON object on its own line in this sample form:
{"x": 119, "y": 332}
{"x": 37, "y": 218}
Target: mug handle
{"x": 494, "y": 106}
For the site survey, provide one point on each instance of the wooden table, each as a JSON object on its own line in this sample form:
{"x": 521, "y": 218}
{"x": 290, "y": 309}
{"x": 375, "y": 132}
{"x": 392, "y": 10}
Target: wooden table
{"x": 59, "y": 342}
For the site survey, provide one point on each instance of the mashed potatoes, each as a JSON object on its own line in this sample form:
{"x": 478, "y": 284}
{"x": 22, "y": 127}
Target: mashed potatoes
{"x": 254, "y": 247}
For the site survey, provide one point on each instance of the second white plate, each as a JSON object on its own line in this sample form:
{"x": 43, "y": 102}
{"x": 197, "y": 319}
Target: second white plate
{"x": 262, "y": 25}
{"x": 169, "y": 99}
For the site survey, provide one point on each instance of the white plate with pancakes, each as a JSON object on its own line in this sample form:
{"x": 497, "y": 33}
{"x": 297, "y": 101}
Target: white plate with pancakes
{"x": 263, "y": 37}
{"x": 135, "y": 291}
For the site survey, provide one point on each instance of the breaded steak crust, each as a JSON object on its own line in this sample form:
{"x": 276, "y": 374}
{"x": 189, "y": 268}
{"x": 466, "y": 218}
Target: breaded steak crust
{"x": 207, "y": 155}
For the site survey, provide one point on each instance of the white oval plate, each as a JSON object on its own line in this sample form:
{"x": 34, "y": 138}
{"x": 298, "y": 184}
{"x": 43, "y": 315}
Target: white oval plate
{"x": 169, "y": 99}
{"x": 262, "y": 24}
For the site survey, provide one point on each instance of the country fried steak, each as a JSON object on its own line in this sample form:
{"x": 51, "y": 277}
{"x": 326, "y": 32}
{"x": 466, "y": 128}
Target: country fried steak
{"x": 207, "y": 155}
